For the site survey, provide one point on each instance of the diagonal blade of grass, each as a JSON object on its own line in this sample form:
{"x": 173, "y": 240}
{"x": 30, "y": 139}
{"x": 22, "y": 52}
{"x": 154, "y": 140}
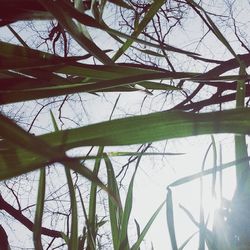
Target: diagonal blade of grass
{"x": 152, "y": 127}
{"x": 89, "y": 21}
{"x": 38, "y": 154}
{"x": 66, "y": 21}
{"x": 133, "y": 130}
{"x": 137, "y": 244}
{"x": 206, "y": 172}
{"x": 16, "y": 56}
{"x": 166, "y": 47}
{"x": 31, "y": 94}
{"x": 211, "y": 25}
{"x": 187, "y": 241}
{"x": 18, "y": 37}
{"x": 17, "y": 136}
{"x": 155, "y": 6}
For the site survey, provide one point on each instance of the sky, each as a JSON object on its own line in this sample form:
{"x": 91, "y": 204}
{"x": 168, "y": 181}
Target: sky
{"x": 155, "y": 173}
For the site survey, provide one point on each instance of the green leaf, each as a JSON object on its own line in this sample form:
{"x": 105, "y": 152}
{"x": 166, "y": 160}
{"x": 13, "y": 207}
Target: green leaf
{"x": 138, "y": 230}
{"x": 39, "y": 210}
{"x": 152, "y": 127}
{"x": 115, "y": 211}
{"x": 121, "y": 3}
{"x": 92, "y": 204}
{"x": 241, "y": 151}
{"x": 170, "y": 219}
{"x": 214, "y": 28}
{"x": 137, "y": 244}
{"x": 83, "y": 237}
{"x": 16, "y": 136}
{"x": 155, "y": 6}
{"x": 73, "y": 241}
{"x": 214, "y": 166}
{"x": 202, "y": 235}
{"x": 97, "y": 78}
{"x": 34, "y": 152}
{"x": 187, "y": 241}
{"x": 206, "y": 172}
{"x": 65, "y": 237}
{"x": 123, "y": 237}
{"x": 62, "y": 14}
{"x": 78, "y": 4}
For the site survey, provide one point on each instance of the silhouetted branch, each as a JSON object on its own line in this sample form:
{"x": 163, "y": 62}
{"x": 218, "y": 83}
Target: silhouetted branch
{"x": 17, "y": 214}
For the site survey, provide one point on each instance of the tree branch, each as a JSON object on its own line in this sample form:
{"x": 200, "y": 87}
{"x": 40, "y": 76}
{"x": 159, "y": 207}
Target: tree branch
{"x": 17, "y": 214}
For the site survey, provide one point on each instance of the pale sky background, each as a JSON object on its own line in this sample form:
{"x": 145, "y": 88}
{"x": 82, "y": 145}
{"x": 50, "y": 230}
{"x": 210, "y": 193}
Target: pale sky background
{"x": 156, "y": 173}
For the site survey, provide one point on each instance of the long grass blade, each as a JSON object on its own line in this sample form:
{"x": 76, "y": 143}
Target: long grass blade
{"x": 170, "y": 219}
{"x": 115, "y": 211}
{"x": 214, "y": 166}
{"x": 32, "y": 153}
{"x": 137, "y": 244}
{"x": 202, "y": 235}
{"x": 92, "y": 204}
{"x": 66, "y": 20}
{"x": 73, "y": 241}
{"x": 187, "y": 241}
{"x": 155, "y": 6}
{"x": 152, "y": 127}
{"x": 124, "y": 243}
{"x": 242, "y": 169}
{"x": 206, "y": 172}
{"x": 83, "y": 238}
{"x": 39, "y": 210}
{"x": 138, "y": 230}
{"x": 37, "y": 150}
{"x": 212, "y": 26}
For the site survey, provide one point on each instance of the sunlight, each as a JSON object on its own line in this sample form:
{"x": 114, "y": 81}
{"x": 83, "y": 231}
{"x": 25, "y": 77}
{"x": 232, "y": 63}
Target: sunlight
{"x": 211, "y": 205}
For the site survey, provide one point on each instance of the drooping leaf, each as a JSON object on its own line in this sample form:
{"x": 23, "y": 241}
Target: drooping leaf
{"x": 65, "y": 19}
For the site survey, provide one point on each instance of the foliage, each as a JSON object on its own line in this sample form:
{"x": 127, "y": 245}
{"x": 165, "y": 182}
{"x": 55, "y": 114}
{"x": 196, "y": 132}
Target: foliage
{"x": 28, "y": 74}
